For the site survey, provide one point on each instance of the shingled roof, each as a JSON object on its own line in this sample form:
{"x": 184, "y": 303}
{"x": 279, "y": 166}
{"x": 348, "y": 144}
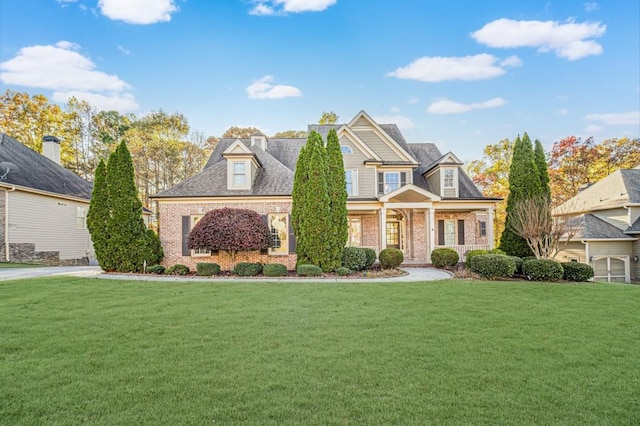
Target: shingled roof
{"x": 591, "y": 227}
{"x": 36, "y": 171}
{"x": 279, "y": 163}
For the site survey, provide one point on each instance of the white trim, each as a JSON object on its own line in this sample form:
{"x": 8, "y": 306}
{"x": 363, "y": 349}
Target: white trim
{"x": 359, "y": 143}
{"x": 354, "y": 182}
{"x": 383, "y": 135}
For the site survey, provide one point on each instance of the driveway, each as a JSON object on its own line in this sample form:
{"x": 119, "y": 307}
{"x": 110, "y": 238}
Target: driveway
{"x": 413, "y": 274}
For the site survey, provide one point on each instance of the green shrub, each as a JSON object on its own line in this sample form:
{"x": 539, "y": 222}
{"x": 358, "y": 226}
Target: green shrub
{"x": 519, "y": 262}
{"x": 542, "y": 270}
{"x": 578, "y": 272}
{"x": 391, "y": 258}
{"x": 247, "y": 269}
{"x": 354, "y": 258}
{"x": 470, "y": 254}
{"x": 343, "y": 272}
{"x": 444, "y": 257}
{"x": 155, "y": 269}
{"x": 492, "y": 265}
{"x": 177, "y": 269}
{"x": 495, "y": 251}
{"x": 206, "y": 269}
{"x": 371, "y": 256}
{"x": 306, "y": 270}
{"x": 274, "y": 270}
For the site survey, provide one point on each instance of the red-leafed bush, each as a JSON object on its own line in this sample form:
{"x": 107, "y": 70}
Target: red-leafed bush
{"x": 231, "y": 230}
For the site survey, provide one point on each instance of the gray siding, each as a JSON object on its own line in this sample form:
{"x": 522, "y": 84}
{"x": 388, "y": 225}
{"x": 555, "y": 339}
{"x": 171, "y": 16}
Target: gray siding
{"x": 573, "y": 250}
{"x": 2, "y": 215}
{"x": 434, "y": 181}
{"x": 634, "y": 214}
{"x": 610, "y": 248}
{"x": 378, "y": 146}
{"x": 616, "y": 217}
{"x": 635, "y": 266}
{"x": 366, "y": 175}
{"x": 49, "y": 223}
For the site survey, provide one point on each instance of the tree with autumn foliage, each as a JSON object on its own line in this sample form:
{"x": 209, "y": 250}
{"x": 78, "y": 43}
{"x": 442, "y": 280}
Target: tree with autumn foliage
{"x": 230, "y": 230}
{"x": 491, "y": 175}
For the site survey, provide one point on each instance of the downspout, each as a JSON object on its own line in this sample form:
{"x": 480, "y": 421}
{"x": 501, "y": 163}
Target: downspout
{"x": 6, "y": 222}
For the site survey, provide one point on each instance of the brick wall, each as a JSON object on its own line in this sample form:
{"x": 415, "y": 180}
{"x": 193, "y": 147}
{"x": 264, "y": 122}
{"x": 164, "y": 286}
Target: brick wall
{"x": 170, "y": 232}
{"x": 471, "y": 232}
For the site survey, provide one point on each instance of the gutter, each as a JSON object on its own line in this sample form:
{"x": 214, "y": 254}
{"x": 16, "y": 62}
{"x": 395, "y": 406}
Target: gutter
{"x": 6, "y": 222}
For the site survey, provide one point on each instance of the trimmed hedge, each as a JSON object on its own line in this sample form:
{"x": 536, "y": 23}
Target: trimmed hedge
{"x": 354, "y": 258}
{"x": 247, "y": 269}
{"x": 177, "y": 269}
{"x": 274, "y": 270}
{"x": 542, "y": 270}
{"x": 391, "y": 258}
{"x": 492, "y": 265}
{"x": 578, "y": 272}
{"x": 155, "y": 269}
{"x": 371, "y": 256}
{"x": 306, "y": 270}
{"x": 343, "y": 272}
{"x": 471, "y": 253}
{"x": 206, "y": 269}
{"x": 444, "y": 257}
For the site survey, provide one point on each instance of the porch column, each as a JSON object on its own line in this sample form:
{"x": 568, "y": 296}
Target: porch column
{"x": 490, "y": 227}
{"x": 383, "y": 228}
{"x": 431, "y": 231}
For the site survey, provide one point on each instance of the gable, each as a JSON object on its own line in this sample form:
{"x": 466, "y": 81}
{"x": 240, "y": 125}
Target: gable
{"x": 378, "y": 140}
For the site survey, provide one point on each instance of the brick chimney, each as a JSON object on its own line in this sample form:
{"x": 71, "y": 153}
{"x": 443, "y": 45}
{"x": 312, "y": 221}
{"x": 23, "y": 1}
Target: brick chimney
{"x": 51, "y": 148}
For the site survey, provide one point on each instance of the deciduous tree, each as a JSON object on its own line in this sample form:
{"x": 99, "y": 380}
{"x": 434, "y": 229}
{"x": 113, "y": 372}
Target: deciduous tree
{"x": 328, "y": 118}
{"x": 240, "y": 132}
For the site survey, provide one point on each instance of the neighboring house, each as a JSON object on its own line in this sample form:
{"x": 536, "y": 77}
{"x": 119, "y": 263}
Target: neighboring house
{"x": 408, "y": 196}
{"x": 43, "y": 207}
{"x": 608, "y": 236}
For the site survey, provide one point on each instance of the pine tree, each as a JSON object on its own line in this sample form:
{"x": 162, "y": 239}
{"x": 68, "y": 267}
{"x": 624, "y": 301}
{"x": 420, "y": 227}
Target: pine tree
{"x": 338, "y": 231}
{"x": 98, "y": 216}
{"x": 524, "y": 183}
{"x": 127, "y": 233}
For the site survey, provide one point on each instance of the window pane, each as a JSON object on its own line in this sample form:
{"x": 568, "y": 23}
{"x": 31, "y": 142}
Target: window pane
{"x": 238, "y": 174}
{"x": 279, "y": 229}
{"x": 450, "y": 232}
{"x": 346, "y": 149}
{"x": 448, "y": 178}
{"x": 391, "y": 182}
{"x": 355, "y": 232}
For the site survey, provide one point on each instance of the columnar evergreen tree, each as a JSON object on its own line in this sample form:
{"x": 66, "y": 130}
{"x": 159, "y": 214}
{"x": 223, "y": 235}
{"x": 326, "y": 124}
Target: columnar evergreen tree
{"x": 126, "y": 229}
{"x": 311, "y": 205}
{"x": 524, "y": 183}
{"x": 338, "y": 231}
{"x": 98, "y": 216}
{"x": 543, "y": 169}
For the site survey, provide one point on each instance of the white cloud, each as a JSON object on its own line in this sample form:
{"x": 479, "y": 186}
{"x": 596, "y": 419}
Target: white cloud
{"x": 413, "y": 100}
{"x": 592, "y": 128}
{"x": 511, "y": 61}
{"x": 57, "y": 67}
{"x": 562, "y": 111}
{"x": 121, "y": 102}
{"x": 437, "y": 68}
{"x": 263, "y": 89}
{"x": 591, "y": 7}
{"x": 401, "y": 121}
{"x": 67, "y": 72}
{"x": 141, "y": 12}
{"x": 124, "y": 50}
{"x": 395, "y": 110}
{"x": 621, "y": 118}
{"x": 568, "y": 40}
{"x": 273, "y": 7}
{"x": 446, "y": 106}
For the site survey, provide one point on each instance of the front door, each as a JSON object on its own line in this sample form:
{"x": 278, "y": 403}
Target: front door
{"x": 393, "y": 234}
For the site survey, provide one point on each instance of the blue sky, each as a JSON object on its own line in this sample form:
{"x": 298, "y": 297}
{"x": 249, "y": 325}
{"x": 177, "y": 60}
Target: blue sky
{"x": 462, "y": 74}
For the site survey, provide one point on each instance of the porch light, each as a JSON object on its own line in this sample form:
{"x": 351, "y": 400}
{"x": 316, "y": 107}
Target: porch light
{"x": 635, "y": 259}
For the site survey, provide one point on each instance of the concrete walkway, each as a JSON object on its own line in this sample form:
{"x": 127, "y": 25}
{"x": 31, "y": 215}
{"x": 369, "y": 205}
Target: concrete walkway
{"x": 413, "y": 274}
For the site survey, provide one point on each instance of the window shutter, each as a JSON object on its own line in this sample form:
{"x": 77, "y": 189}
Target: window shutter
{"x": 460, "y": 232}
{"x": 292, "y": 238}
{"x": 403, "y": 178}
{"x": 441, "y": 232}
{"x": 186, "y": 225}
{"x": 265, "y": 219}
{"x": 380, "y": 183}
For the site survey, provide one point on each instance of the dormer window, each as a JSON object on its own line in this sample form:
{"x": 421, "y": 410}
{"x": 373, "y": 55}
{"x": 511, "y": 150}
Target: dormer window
{"x": 259, "y": 140}
{"x": 449, "y": 182}
{"x": 239, "y": 174}
{"x": 448, "y": 178}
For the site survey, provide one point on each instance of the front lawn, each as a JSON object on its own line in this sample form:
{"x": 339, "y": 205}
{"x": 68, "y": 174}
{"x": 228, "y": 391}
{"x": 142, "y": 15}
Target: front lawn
{"x": 76, "y": 350}
{"x": 19, "y": 265}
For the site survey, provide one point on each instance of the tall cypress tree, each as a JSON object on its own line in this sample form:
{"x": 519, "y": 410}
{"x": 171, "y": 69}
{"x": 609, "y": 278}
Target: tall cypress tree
{"x": 524, "y": 183}
{"x": 543, "y": 169}
{"x": 98, "y": 216}
{"x": 125, "y": 226}
{"x": 300, "y": 180}
{"x": 336, "y": 184}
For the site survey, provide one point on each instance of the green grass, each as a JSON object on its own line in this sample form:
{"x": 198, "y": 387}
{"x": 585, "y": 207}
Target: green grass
{"x": 75, "y": 350}
{"x": 19, "y": 265}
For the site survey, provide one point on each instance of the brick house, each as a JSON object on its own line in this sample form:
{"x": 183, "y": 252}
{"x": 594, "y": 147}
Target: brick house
{"x": 408, "y": 196}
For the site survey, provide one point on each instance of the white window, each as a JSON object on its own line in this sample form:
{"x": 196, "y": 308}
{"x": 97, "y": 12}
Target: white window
{"x": 81, "y": 218}
{"x": 450, "y": 232}
{"x": 482, "y": 228}
{"x": 279, "y": 230}
{"x": 239, "y": 174}
{"x": 351, "y": 177}
{"x": 201, "y": 251}
{"x": 346, "y": 149}
{"x": 355, "y": 232}
{"x": 391, "y": 181}
{"x": 448, "y": 178}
